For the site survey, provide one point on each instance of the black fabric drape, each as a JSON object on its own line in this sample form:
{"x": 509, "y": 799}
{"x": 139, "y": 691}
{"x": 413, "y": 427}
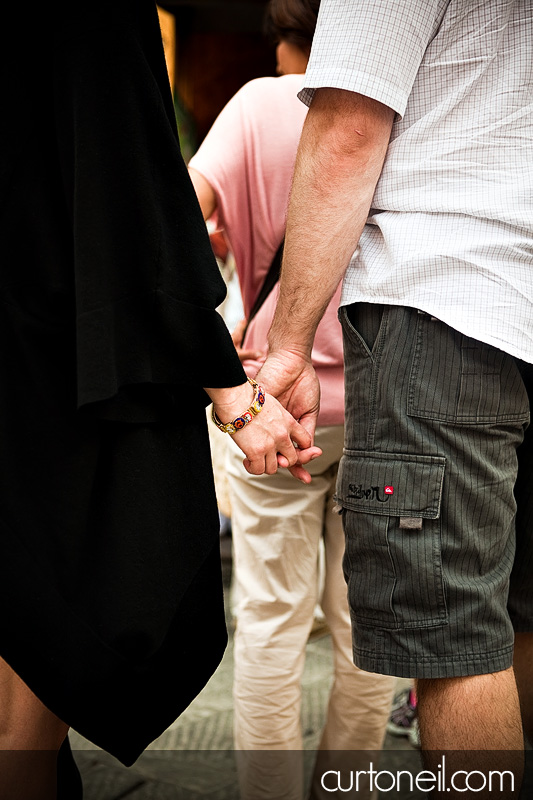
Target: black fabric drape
{"x": 109, "y": 567}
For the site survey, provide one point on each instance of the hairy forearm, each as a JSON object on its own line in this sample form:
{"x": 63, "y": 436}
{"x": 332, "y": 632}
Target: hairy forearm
{"x": 341, "y": 154}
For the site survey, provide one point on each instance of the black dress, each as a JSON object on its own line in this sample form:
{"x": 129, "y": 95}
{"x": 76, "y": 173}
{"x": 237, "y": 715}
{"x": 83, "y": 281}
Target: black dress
{"x": 110, "y": 590}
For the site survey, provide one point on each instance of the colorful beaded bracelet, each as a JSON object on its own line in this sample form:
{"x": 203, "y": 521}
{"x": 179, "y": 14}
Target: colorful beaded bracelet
{"x": 247, "y": 416}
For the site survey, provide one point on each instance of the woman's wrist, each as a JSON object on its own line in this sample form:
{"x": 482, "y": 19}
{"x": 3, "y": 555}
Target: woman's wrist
{"x": 232, "y": 400}
{"x": 244, "y": 416}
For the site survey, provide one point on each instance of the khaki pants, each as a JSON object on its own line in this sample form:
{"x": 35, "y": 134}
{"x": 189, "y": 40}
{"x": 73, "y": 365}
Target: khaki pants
{"x": 277, "y": 525}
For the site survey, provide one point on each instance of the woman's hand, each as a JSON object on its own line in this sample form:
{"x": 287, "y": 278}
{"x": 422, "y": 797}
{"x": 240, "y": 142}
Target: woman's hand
{"x": 273, "y": 438}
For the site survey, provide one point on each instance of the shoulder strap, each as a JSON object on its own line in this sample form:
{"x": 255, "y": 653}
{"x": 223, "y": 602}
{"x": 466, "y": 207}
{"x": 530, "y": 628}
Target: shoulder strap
{"x": 271, "y": 278}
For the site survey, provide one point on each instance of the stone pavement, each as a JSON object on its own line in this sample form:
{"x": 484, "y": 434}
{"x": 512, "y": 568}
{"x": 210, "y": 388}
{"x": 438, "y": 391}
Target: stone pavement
{"x": 194, "y": 759}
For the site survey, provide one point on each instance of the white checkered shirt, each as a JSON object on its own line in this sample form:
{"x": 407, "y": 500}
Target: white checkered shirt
{"x": 451, "y": 228}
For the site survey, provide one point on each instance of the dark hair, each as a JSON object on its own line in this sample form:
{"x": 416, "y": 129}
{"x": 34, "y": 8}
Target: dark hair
{"x": 292, "y": 21}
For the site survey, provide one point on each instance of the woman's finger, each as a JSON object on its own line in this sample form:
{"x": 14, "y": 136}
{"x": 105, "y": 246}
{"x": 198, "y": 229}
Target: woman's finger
{"x": 255, "y": 467}
{"x": 271, "y": 463}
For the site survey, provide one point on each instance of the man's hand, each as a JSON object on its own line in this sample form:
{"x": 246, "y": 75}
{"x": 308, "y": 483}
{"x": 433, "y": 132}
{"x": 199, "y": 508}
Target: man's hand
{"x": 291, "y": 378}
{"x": 342, "y": 148}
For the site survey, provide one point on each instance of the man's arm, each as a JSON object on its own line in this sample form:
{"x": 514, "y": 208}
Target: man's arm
{"x": 340, "y": 158}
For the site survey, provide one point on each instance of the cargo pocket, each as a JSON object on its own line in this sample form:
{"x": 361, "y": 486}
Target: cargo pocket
{"x": 393, "y": 565}
{"x": 457, "y": 379}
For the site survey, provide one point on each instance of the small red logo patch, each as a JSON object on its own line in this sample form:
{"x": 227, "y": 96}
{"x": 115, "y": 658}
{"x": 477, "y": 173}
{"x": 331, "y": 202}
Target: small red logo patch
{"x": 389, "y": 489}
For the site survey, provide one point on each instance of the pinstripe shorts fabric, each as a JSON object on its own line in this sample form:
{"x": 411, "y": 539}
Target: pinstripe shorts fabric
{"x": 438, "y": 458}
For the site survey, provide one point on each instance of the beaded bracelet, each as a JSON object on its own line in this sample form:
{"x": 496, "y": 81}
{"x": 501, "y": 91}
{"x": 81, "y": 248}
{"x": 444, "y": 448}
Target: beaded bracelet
{"x": 247, "y": 416}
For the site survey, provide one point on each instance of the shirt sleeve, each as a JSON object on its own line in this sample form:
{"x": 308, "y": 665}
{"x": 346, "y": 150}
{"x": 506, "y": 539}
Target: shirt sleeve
{"x": 146, "y": 282}
{"x": 374, "y": 48}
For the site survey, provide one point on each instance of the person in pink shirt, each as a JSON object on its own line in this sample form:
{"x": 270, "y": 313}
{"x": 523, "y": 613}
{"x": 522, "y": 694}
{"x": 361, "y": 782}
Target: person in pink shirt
{"x": 242, "y": 174}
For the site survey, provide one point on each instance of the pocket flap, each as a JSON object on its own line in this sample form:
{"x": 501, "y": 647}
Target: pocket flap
{"x": 391, "y": 483}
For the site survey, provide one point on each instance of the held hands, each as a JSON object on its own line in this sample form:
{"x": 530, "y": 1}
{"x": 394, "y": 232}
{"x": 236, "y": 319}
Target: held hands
{"x": 272, "y": 439}
{"x": 291, "y": 378}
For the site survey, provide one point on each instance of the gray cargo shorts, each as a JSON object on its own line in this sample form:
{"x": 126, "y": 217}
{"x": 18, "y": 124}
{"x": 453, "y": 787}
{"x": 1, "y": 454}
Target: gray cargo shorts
{"x": 435, "y": 488}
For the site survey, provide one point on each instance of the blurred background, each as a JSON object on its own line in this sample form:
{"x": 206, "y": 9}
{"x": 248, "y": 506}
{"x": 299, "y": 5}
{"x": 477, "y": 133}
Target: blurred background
{"x": 212, "y": 47}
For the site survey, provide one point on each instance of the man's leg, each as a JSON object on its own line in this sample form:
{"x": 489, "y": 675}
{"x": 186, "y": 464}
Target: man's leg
{"x": 30, "y": 737}
{"x": 480, "y": 712}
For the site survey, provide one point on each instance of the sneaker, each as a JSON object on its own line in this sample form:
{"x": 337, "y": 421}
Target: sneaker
{"x": 403, "y": 714}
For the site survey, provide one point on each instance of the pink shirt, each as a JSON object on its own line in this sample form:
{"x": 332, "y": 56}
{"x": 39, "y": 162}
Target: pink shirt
{"x": 248, "y": 158}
